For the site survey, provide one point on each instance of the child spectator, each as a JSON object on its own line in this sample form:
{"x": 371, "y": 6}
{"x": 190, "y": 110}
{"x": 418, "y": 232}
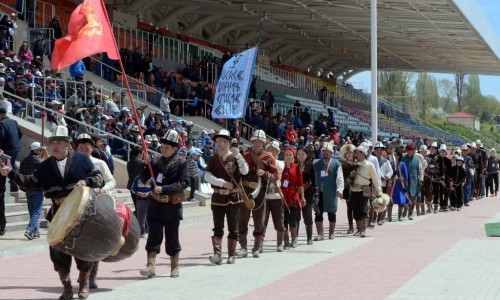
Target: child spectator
{"x": 194, "y": 171}
{"x": 142, "y": 187}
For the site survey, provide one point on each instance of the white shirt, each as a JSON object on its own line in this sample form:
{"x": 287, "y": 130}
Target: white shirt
{"x": 109, "y": 180}
{"x": 374, "y": 161}
{"x": 340, "y": 180}
{"x": 386, "y": 171}
{"x": 423, "y": 165}
{"x": 280, "y": 166}
{"x": 61, "y": 165}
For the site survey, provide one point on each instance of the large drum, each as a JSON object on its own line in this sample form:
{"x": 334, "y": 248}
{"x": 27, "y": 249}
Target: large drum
{"x": 85, "y": 228}
{"x": 131, "y": 232}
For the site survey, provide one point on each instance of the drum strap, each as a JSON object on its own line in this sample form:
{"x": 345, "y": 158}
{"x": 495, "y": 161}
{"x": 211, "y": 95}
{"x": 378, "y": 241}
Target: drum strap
{"x": 125, "y": 215}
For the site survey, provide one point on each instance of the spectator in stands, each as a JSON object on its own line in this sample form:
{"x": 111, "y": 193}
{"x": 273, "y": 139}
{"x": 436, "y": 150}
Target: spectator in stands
{"x": 305, "y": 116}
{"x": 291, "y": 134}
{"x": 10, "y": 25}
{"x": 111, "y": 105}
{"x": 5, "y": 104}
{"x": 273, "y": 128}
{"x": 25, "y": 53}
{"x": 53, "y": 94}
{"x": 256, "y": 119}
{"x": 89, "y": 128}
{"x": 56, "y": 31}
{"x": 179, "y": 93}
{"x": 234, "y": 130}
{"x": 265, "y": 97}
{"x": 73, "y": 114}
{"x": 4, "y": 44}
{"x": 193, "y": 106}
{"x": 102, "y": 123}
{"x": 335, "y": 135}
{"x": 147, "y": 68}
{"x": 208, "y": 150}
{"x": 119, "y": 146}
{"x": 137, "y": 62}
{"x": 77, "y": 70}
{"x": 39, "y": 48}
{"x": 75, "y": 98}
{"x": 297, "y": 121}
{"x": 188, "y": 86}
{"x": 165, "y": 104}
{"x": 296, "y": 108}
{"x": 322, "y": 95}
{"x": 159, "y": 84}
{"x": 331, "y": 116}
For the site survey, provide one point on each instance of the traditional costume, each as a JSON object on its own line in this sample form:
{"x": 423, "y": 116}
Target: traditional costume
{"x": 330, "y": 181}
{"x": 165, "y": 210}
{"x": 223, "y": 168}
{"x": 57, "y": 178}
{"x": 256, "y": 185}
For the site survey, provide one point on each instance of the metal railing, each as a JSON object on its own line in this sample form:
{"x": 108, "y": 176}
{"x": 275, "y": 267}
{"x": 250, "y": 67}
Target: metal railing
{"x": 36, "y": 119}
{"x": 161, "y": 46}
{"x": 46, "y": 13}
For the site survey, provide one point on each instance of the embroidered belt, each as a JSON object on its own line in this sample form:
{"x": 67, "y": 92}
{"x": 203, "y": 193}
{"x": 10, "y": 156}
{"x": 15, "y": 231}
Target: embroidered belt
{"x": 175, "y": 199}
{"x": 226, "y": 191}
{"x": 250, "y": 184}
{"x": 272, "y": 190}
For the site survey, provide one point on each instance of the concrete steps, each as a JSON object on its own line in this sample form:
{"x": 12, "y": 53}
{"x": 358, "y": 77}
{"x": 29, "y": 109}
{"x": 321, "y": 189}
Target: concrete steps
{"x": 18, "y": 217}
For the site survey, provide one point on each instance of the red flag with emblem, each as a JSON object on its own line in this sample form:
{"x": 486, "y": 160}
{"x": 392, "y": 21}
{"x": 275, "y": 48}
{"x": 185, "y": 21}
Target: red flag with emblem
{"x": 89, "y": 32}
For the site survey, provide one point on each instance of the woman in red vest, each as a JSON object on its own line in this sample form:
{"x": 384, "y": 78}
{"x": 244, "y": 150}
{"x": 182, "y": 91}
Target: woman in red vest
{"x": 293, "y": 193}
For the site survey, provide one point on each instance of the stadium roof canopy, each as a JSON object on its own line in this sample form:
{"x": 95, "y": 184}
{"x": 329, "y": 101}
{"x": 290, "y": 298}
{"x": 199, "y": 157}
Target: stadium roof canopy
{"x": 444, "y": 36}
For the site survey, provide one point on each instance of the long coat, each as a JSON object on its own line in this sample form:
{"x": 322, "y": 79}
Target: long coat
{"x": 413, "y": 166}
{"x": 329, "y": 183}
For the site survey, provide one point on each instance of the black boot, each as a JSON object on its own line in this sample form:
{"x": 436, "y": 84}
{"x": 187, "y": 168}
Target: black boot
{"x": 66, "y": 282}
{"x": 83, "y": 280}
{"x": 93, "y": 275}
{"x": 309, "y": 231}
{"x": 3, "y": 224}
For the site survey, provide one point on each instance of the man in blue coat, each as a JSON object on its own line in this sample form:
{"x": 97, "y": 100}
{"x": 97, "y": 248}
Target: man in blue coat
{"x": 413, "y": 165}
{"x": 330, "y": 181}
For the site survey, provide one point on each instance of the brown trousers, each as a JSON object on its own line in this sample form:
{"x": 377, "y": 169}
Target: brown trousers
{"x": 275, "y": 208}
{"x": 257, "y": 216}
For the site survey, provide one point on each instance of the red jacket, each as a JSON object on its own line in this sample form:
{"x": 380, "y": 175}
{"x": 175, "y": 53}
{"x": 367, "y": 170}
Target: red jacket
{"x": 291, "y": 136}
{"x": 293, "y": 176}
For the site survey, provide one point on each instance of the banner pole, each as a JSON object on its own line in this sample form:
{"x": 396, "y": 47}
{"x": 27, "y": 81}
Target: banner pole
{"x": 125, "y": 78}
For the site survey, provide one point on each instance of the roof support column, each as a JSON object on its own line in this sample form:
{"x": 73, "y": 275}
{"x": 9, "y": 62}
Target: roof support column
{"x": 374, "y": 52}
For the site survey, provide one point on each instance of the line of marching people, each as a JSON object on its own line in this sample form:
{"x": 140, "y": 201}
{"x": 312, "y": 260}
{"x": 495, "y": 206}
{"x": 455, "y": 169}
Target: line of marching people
{"x": 370, "y": 178}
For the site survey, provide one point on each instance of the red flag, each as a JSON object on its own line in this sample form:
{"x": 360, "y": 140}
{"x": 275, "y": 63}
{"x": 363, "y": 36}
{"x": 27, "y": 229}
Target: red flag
{"x": 89, "y": 32}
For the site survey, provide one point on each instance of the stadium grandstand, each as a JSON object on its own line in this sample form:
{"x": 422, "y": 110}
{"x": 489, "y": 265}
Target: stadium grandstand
{"x": 308, "y": 52}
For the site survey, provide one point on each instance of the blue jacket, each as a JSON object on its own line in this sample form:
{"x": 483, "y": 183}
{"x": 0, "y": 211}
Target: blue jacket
{"x": 77, "y": 69}
{"x": 142, "y": 186}
{"x": 10, "y": 135}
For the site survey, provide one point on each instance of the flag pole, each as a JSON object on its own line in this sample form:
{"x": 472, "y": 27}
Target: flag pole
{"x": 124, "y": 75}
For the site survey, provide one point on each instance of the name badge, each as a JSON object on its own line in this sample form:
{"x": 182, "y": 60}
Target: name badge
{"x": 159, "y": 178}
{"x": 323, "y": 173}
{"x": 285, "y": 183}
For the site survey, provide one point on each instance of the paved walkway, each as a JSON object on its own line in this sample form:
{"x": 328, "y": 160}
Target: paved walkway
{"x": 438, "y": 256}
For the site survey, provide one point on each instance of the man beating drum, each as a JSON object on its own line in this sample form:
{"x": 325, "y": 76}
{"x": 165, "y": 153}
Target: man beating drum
{"x": 57, "y": 176}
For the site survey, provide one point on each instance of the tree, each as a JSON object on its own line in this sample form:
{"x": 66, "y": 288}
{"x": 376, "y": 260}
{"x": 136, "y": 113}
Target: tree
{"x": 395, "y": 86}
{"x": 447, "y": 89}
{"x": 459, "y": 84}
{"x": 426, "y": 92}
